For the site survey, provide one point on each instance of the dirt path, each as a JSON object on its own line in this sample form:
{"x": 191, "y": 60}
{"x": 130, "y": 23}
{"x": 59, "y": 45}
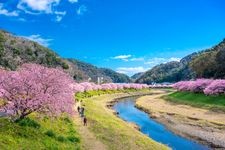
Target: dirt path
{"x": 203, "y": 125}
{"x": 88, "y": 140}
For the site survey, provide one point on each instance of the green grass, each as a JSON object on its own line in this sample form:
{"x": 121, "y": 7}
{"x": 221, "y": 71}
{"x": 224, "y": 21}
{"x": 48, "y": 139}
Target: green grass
{"x": 39, "y": 133}
{"x": 81, "y": 95}
{"x": 216, "y": 103}
{"x": 111, "y": 130}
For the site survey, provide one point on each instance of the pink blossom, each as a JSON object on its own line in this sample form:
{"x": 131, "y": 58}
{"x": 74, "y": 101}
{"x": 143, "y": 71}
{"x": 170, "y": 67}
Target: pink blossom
{"x": 215, "y": 88}
{"x": 36, "y": 88}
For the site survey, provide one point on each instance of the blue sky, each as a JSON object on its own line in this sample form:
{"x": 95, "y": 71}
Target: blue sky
{"x": 128, "y": 36}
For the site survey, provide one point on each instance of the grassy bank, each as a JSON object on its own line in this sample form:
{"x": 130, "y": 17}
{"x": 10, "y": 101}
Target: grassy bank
{"x": 111, "y": 130}
{"x": 35, "y": 133}
{"x": 81, "y": 95}
{"x": 198, "y": 100}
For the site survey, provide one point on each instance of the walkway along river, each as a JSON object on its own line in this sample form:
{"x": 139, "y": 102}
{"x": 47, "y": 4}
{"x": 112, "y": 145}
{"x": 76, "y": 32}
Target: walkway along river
{"x": 158, "y": 132}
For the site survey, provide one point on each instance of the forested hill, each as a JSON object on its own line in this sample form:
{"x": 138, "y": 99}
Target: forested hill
{"x": 94, "y": 72}
{"x": 209, "y": 63}
{"x": 137, "y": 75}
{"x": 15, "y": 51}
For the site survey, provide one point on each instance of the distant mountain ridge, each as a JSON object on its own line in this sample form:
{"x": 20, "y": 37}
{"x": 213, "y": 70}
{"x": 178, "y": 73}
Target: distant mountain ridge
{"x": 137, "y": 75}
{"x": 209, "y": 63}
{"x": 94, "y": 72}
{"x": 15, "y": 51}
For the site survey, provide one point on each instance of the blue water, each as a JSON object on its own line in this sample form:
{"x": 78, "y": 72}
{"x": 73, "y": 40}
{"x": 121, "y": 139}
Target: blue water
{"x": 158, "y": 132}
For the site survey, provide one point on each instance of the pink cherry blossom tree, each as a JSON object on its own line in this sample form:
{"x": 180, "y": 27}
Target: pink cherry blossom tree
{"x": 34, "y": 88}
{"x": 208, "y": 86}
{"x": 199, "y": 85}
{"x": 215, "y": 88}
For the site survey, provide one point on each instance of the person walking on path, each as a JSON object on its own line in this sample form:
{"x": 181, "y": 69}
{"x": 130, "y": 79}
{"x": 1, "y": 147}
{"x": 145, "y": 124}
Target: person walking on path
{"x": 78, "y": 109}
{"x": 85, "y": 121}
{"x": 82, "y": 112}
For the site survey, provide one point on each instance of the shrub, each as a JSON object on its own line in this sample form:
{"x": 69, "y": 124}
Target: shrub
{"x": 67, "y": 120}
{"x": 50, "y": 133}
{"x": 65, "y": 65}
{"x": 29, "y": 123}
{"x": 73, "y": 139}
{"x": 61, "y": 138}
{"x": 29, "y": 51}
{"x": 16, "y": 52}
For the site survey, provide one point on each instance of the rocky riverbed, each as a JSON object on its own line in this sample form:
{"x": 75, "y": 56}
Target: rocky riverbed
{"x": 202, "y": 125}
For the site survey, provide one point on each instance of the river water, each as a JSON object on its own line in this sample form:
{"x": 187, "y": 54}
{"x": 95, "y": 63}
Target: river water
{"x": 158, "y": 132}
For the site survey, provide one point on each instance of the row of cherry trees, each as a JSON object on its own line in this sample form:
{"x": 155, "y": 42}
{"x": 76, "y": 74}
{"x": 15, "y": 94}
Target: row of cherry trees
{"x": 48, "y": 91}
{"x": 87, "y": 86}
{"x": 206, "y": 86}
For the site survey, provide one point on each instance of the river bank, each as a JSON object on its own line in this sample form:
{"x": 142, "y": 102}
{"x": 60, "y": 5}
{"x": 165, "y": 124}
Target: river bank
{"x": 111, "y": 131}
{"x": 206, "y": 127}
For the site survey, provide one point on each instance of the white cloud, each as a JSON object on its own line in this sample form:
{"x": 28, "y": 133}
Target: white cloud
{"x": 58, "y": 18}
{"x": 22, "y": 20}
{"x": 174, "y": 59}
{"x": 73, "y": 1}
{"x": 131, "y": 70}
{"x": 122, "y": 57}
{"x": 128, "y": 58}
{"x": 37, "y": 38}
{"x": 37, "y": 6}
{"x": 157, "y": 60}
{"x": 59, "y": 15}
{"x": 137, "y": 59}
{"x": 5, "y": 12}
{"x": 81, "y": 10}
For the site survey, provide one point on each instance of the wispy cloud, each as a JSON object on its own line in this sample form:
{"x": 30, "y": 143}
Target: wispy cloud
{"x": 73, "y": 1}
{"x": 22, "y": 19}
{"x": 128, "y": 57}
{"x": 144, "y": 62}
{"x": 137, "y": 59}
{"x": 5, "y": 12}
{"x": 157, "y": 60}
{"x": 37, "y": 6}
{"x": 81, "y": 10}
{"x": 122, "y": 57}
{"x": 59, "y": 15}
{"x": 174, "y": 59}
{"x": 131, "y": 70}
{"x": 37, "y": 38}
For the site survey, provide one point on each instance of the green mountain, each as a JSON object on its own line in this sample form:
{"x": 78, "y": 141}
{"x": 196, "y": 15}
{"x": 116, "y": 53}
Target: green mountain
{"x": 209, "y": 63}
{"x": 94, "y": 72}
{"x": 170, "y": 72}
{"x": 136, "y": 76}
{"x": 15, "y": 50}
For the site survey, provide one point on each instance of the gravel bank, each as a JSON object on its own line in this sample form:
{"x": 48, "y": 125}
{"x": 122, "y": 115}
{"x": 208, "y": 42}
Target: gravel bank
{"x": 202, "y": 125}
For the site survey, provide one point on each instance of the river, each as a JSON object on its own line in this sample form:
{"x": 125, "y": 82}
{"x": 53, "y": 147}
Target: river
{"x": 158, "y": 132}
